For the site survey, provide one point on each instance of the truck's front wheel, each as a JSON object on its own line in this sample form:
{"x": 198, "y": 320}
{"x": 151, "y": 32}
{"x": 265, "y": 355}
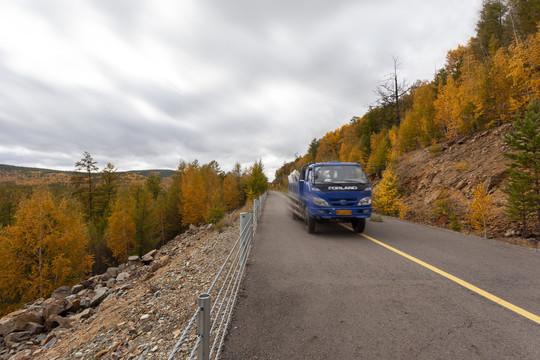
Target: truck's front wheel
{"x": 358, "y": 225}
{"x": 310, "y": 222}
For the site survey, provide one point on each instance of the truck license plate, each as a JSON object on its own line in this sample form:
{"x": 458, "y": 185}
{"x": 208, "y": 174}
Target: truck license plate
{"x": 343, "y": 212}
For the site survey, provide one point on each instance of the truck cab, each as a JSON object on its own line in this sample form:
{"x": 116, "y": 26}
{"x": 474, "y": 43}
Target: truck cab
{"x": 332, "y": 191}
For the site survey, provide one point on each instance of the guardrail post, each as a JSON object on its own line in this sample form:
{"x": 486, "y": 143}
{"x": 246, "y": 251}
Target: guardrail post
{"x": 256, "y": 210}
{"x": 244, "y": 218}
{"x": 203, "y": 352}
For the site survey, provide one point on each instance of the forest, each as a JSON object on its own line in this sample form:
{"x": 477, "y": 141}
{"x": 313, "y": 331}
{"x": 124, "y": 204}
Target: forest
{"x": 483, "y": 84}
{"x": 492, "y": 80}
{"x": 61, "y": 233}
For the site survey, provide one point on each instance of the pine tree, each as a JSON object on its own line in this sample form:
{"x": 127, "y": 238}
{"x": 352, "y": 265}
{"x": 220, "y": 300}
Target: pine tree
{"x": 85, "y": 167}
{"x": 523, "y": 180}
{"x": 257, "y": 180}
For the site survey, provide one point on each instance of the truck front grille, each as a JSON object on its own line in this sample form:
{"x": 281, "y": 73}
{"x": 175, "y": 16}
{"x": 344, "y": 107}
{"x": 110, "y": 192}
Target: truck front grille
{"x": 343, "y": 202}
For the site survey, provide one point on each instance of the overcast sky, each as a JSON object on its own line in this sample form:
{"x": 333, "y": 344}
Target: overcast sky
{"x": 143, "y": 84}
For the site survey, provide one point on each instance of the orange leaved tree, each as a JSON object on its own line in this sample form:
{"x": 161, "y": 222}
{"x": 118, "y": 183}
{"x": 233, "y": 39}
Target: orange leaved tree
{"x": 45, "y": 248}
{"x": 121, "y": 231}
{"x": 481, "y": 209}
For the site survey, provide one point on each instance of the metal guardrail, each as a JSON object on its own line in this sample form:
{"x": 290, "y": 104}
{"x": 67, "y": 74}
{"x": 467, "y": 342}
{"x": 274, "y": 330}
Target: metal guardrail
{"x": 214, "y": 314}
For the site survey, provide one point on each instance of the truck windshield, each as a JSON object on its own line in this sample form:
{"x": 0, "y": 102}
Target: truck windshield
{"x": 339, "y": 174}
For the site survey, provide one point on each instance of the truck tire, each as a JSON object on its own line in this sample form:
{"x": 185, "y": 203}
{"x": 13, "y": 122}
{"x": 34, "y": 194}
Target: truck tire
{"x": 358, "y": 225}
{"x": 311, "y": 224}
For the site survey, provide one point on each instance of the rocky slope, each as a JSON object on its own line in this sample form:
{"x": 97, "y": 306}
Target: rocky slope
{"x": 446, "y": 175}
{"x": 135, "y": 311}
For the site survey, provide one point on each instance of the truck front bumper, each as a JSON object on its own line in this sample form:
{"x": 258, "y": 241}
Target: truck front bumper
{"x": 340, "y": 214}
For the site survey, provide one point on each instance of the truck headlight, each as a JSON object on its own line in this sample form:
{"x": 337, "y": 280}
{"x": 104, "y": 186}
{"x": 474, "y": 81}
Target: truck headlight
{"x": 364, "y": 201}
{"x": 319, "y": 202}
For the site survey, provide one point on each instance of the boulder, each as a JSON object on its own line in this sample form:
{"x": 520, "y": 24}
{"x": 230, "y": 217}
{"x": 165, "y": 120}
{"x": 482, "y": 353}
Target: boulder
{"x": 111, "y": 272}
{"x": 85, "y": 302}
{"x": 34, "y": 328}
{"x": 100, "y": 295}
{"x": 85, "y": 314}
{"x": 164, "y": 260}
{"x": 16, "y": 321}
{"x": 87, "y": 283}
{"x": 16, "y": 337}
{"x": 74, "y": 306}
{"x": 54, "y": 321}
{"x": 77, "y": 288}
{"x": 54, "y": 306}
{"x": 149, "y": 257}
{"x": 123, "y": 276}
{"x": 133, "y": 258}
{"x": 61, "y": 293}
{"x": 494, "y": 180}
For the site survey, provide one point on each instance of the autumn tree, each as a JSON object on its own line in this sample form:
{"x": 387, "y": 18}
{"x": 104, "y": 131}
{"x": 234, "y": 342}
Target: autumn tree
{"x": 380, "y": 151}
{"x": 524, "y": 72}
{"x": 121, "y": 230}
{"x": 45, "y": 248}
{"x": 481, "y": 209}
{"x": 523, "y": 180}
{"x": 386, "y": 196}
{"x": 232, "y": 198}
{"x": 350, "y": 149}
{"x": 329, "y": 147}
{"x": 193, "y": 205}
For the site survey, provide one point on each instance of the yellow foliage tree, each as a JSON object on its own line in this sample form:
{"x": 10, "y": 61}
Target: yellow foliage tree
{"x": 329, "y": 147}
{"x": 121, "y": 232}
{"x": 46, "y": 248}
{"x": 380, "y": 151}
{"x": 232, "y": 197}
{"x": 481, "y": 209}
{"x": 448, "y": 108}
{"x": 386, "y": 196}
{"x": 193, "y": 203}
{"x": 523, "y": 72}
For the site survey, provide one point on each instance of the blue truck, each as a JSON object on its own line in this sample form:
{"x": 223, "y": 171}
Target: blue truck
{"x": 331, "y": 191}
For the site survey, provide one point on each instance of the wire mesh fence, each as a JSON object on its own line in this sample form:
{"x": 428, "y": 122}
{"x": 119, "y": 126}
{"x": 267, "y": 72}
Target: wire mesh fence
{"x": 213, "y": 313}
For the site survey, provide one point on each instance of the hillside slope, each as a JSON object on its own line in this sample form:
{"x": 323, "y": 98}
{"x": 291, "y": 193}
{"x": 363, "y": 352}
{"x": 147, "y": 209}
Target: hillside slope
{"x": 446, "y": 175}
{"x": 19, "y": 175}
{"x": 144, "y": 308}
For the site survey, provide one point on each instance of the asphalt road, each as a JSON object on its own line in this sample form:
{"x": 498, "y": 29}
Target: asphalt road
{"x": 339, "y": 295}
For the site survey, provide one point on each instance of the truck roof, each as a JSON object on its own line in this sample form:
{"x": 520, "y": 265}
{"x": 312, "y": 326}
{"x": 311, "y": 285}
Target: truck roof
{"x": 335, "y": 163}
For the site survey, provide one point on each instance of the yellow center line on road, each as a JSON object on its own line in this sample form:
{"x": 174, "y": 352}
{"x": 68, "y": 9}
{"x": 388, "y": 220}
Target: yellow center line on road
{"x": 463, "y": 283}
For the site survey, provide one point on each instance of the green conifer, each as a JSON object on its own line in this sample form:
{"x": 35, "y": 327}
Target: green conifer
{"x": 523, "y": 180}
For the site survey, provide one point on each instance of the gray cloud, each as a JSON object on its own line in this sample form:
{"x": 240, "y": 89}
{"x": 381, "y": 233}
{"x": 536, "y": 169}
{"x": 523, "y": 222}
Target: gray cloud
{"x": 144, "y": 84}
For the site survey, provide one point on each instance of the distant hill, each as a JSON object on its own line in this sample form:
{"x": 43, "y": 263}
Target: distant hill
{"x": 20, "y": 175}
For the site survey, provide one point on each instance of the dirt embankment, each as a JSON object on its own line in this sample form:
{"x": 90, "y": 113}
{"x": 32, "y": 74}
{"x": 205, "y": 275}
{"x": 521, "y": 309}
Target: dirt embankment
{"x": 443, "y": 177}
